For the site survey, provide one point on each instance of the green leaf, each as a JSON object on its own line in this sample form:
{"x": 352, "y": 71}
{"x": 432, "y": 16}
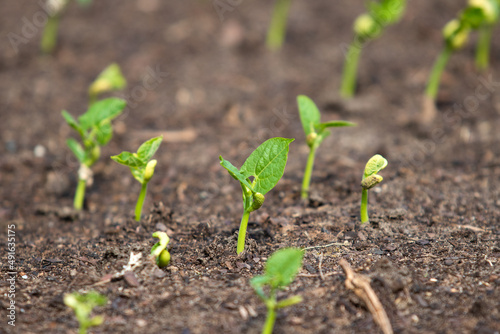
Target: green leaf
{"x": 72, "y": 122}
{"x": 149, "y": 148}
{"x": 103, "y": 110}
{"x": 334, "y": 124}
{"x": 138, "y": 174}
{"x": 233, "y": 171}
{"x": 129, "y": 159}
{"x": 77, "y": 149}
{"x": 267, "y": 163}
{"x": 321, "y": 136}
{"x": 283, "y": 266}
{"x": 309, "y": 114}
{"x": 104, "y": 133}
{"x": 374, "y": 165}
{"x": 111, "y": 78}
{"x": 259, "y": 281}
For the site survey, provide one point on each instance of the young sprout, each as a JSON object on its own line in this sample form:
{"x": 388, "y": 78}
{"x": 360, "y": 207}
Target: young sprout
{"x": 159, "y": 250}
{"x": 368, "y": 26}
{"x": 281, "y": 269}
{"x": 370, "y": 180}
{"x": 277, "y": 28}
{"x": 95, "y": 130}
{"x": 82, "y": 305}
{"x": 266, "y": 165}
{"x": 110, "y": 79}
{"x": 142, "y": 167}
{"x": 315, "y": 132}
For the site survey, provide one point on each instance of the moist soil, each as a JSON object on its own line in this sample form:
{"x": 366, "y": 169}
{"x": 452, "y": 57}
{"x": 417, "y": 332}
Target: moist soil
{"x": 431, "y": 249}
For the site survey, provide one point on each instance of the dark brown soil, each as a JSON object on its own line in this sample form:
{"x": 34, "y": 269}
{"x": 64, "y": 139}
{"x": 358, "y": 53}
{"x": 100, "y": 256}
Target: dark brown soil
{"x": 431, "y": 250}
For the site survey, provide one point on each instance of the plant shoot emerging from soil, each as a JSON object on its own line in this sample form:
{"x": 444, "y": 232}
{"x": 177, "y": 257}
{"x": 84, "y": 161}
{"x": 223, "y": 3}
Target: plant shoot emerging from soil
{"x": 281, "y": 269}
{"x": 315, "y": 132}
{"x": 266, "y": 165}
{"x": 110, "y": 79}
{"x": 159, "y": 250}
{"x": 370, "y": 180}
{"x": 142, "y": 167}
{"x": 277, "y": 28}
{"x": 82, "y": 305}
{"x": 95, "y": 130}
{"x": 368, "y": 26}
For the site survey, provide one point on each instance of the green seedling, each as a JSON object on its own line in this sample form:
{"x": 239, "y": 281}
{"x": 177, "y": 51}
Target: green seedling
{"x": 367, "y": 27}
{"x": 159, "y": 250}
{"x": 315, "y": 132}
{"x": 142, "y": 167}
{"x": 370, "y": 180}
{"x": 266, "y": 165}
{"x": 281, "y": 269}
{"x": 95, "y": 130}
{"x": 49, "y": 34}
{"x": 110, "y": 79}
{"x": 478, "y": 15}
{"x": 277, "y": 27}
{"x": 82, "y": 305}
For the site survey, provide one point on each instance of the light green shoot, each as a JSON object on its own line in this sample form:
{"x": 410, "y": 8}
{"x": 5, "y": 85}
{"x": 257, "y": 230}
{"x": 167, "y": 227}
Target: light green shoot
{"x": 142, "y": 167}
{"x": 159, "y": 250}
{"x": 281, "y": 269}
{"x": 95, "y": 130}
{"x": 370, "y": 180}
{"x": 277, "y": 28}
{"x": 266, "y": 165}
{"x": 315, "y": 132}
{"x": 368, "y": 26}
{"x": 82, "y": 305}
{"x": 110, "y": 79}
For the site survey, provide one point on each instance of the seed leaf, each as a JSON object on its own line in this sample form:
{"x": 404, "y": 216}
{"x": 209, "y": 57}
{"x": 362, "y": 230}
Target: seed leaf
{"x": 374, "y": 165}
{"x": 283, "y": 266}
{"x": 149, "y": 148}
{"x": 267, "y": 163}
{"x": 309, "y": 114}
{"x": 103, "y": 110}
{"x": 77, "y": 149}
{"x": 233, "y": 171}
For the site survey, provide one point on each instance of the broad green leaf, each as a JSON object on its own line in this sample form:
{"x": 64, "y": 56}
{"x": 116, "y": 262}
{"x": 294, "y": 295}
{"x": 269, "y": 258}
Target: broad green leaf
{"x": 374, "y": 165}
{"x": 77, "y": 149}
{"x": 267, "y": 163}
{"x": 309, "y": 113}
{"x": 103, "y": 110}
{"x": 111, "y": 78}
{"x": 129, "y": 159}
{"x": 104, "y": 133}
{"x": 149, "y": 148}
{"x": 334, "y": 124}
{"x": 233, "y": 171}
{"x": 259, "y": 281}
{"x": 138, "y": 174}
{"x": 283, "y": 266}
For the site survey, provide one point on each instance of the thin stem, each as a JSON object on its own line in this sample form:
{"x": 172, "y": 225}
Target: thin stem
{"x": 49, "y": 36}
{"x": 79, "y": 195}
{"x": 270, "y": 320}
{"x": 140, "y": 201}
{"x": 349, "y": 75}
{"x": 242, "y": 232}
{"x": 308, "y": 172}
{"x": 435, "y": 77}
{"x": 277, "y": 28}
{"x": 483, "y": 47}
{"x": 364, "y": 206}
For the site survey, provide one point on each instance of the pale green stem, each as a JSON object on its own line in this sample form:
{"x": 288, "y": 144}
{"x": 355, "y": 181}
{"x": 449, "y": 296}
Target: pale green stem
{"x": 140, "y": 201}
{"x": 483, "y": 47}
{"x": 348, "y": 85}
{"x": 242, "y": 232}
{"x": 79, "y": 195}
{"x": 270, "y": 320}
{"x": 49, "y": 36}
{"x": 435, "y": 77}
{"x": 364, "y": 206}
{"x": 277, "y": 28}
{"x": 308, "y": 172}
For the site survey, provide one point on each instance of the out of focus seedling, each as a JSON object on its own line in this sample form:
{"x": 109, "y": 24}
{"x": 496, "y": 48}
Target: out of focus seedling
{"x": 368, "y": 26}
{"x": 159, "y": 250}
{"x": 110, "y": 79}
{"x": 266, "y": 165}
{"x": 277, "y": 27}
{"x": 370, "y": 180}
{"x": 315, "y": 132}
{"x": 95, "y": 130}
{"x": 281, "y": 269}
{"x": 82, "y": 305}
{"x": 142, "y": 167}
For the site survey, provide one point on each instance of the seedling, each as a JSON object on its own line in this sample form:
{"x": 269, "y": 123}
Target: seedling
{"x": 142, "y": 167}
{"x": 315, "y": 132}
{"x": 49, "y": 35}
{"x": 367, "y": 27}
{"x": 266, "y": 165}
{"x": 479, "y": 14}
{"x": 82, "y": 305}
{"x": 95, "y": 130}
{"x": 370, "y": 180}
{"x": 281, "y": 269}
{"x": 159, "y": 250}
{"x": 110, "y": 79}
{"x": 277, "y": 27}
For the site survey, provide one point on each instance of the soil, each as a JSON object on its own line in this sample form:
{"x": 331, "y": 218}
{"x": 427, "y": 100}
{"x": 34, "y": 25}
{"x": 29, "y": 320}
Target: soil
{"x": 431, "y": 250}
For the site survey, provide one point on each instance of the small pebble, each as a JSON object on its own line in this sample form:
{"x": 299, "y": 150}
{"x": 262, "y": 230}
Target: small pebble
{"x": 39, "y": 151}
